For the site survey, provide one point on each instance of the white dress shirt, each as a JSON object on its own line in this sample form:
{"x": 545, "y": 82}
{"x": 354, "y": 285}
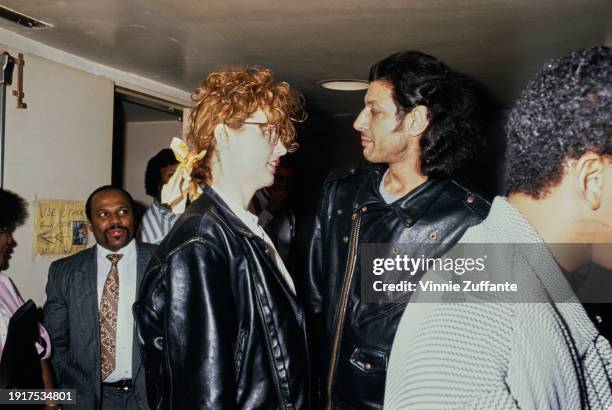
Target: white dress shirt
{"x": 127, "y": 267}
{"x": 252, "y": 222}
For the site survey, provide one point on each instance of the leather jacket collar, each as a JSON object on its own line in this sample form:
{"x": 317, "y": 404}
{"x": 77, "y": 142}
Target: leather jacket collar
{"x": 226, "y": 213}
{"x": 409, "y": 208}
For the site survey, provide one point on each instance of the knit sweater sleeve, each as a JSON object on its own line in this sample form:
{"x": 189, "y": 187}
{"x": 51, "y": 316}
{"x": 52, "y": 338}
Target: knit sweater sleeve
{"x": 451, "y": 356}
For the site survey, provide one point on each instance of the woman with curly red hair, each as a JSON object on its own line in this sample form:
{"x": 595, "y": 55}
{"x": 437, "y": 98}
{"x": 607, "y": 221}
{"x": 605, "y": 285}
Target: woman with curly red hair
{"x": 219, "y": 322}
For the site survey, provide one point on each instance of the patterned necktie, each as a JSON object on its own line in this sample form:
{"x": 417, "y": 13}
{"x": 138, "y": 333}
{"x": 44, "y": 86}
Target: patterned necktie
{"x": 108, "y": 317}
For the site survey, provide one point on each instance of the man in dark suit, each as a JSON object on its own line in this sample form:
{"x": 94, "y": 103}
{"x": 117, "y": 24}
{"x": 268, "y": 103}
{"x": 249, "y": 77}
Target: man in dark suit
{"x": 88, "y": 309}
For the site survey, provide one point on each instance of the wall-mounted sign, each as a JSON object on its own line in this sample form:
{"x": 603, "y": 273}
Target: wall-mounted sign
{"x": 60, "y": 227}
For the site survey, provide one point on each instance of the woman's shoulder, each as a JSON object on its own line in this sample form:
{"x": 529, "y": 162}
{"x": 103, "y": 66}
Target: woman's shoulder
{"x": 6, "y": 282}
{"x": 9, "y": 297}
{"x": 3, "y": 277}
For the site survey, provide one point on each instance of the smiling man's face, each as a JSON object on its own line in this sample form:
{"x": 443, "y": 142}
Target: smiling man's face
{"x": 112, "y": 219}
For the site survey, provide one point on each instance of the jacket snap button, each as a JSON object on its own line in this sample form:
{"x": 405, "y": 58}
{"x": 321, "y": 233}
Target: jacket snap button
{"x": 345, "y": 238}
{"x": 408, "y": 220}
{"x": 367, "y": 366}
{"x": 364, "y": 209}
{"x": 470, "y": 199}
{"x": 433, "y": 236}
{"x": 339, "y": 211}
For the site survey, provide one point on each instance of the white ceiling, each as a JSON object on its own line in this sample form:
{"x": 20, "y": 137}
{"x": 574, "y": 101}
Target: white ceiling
{"x": 176, "y": 42}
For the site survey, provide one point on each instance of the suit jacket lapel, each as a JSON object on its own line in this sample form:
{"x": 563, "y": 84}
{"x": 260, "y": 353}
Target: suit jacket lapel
{"x": 87, "y": 275}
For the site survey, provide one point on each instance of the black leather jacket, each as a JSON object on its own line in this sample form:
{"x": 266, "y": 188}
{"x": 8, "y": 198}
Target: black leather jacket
{"x": 218, "y": 326}
{"x": 357, "y": 337}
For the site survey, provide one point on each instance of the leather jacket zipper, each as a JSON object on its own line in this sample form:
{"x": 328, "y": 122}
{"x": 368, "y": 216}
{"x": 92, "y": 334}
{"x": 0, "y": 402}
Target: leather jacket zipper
{"x": 348, "y": 277}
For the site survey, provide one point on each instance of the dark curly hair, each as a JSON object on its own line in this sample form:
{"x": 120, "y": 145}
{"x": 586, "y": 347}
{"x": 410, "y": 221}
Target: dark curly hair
{"x": 561, "y": 114}
{"x": 453, "y": 137}
{"x": 13, "y": 210}
{"x": 229, "y": 97}
{"x": 153, "y": 175}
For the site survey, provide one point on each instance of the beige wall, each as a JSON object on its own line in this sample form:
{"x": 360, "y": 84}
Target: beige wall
{"x": 58, "y": 148}
{"x": 142, "y": 141}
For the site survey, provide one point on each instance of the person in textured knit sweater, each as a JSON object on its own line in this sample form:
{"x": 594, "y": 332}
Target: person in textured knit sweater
{"x": 549, "y": 351}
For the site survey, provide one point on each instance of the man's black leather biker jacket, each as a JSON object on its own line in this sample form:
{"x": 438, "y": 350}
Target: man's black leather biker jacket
{"x": 357, "y": 337}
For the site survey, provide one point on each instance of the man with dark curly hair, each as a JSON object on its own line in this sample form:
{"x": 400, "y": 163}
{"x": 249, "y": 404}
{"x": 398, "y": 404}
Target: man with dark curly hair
{"x": 546, "y": 346}
{"x": 419, "y": 130}
{"x": 158, "y": 219}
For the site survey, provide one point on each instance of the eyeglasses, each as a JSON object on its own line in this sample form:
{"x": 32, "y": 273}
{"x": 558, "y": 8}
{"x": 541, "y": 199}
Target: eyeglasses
{"x": 270, "y": 131}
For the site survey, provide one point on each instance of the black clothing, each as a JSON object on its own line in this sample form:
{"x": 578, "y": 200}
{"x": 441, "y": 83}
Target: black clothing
{"x": 356, "y": 336}
{"x": 218, "y": 325}
{"x": 599, "y": 313}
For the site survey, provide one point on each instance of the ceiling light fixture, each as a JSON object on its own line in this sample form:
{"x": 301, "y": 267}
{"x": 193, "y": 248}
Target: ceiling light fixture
{"x": 344, "y": 84}
{"x": 22, "y": 19}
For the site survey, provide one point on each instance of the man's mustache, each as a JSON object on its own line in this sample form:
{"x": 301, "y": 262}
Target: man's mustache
{"x": 116, "y": 227}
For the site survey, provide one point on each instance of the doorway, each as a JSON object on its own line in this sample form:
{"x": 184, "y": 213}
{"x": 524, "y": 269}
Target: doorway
{"x": 143, "y": 125}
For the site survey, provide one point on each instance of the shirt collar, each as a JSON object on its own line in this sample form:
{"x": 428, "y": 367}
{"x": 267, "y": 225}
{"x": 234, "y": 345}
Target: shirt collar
{"x": 127, "y": 251}
{"x": 238, "y": 210}
{"x": 502, "y": 213}
{"x": 209, "y": 195}
{"x": 410, "y": 207}
{"x": 163, "y": 210}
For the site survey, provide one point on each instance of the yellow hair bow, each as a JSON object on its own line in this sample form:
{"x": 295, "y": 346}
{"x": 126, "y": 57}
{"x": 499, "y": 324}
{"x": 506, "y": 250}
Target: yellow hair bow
{"x": 180, "y": 186}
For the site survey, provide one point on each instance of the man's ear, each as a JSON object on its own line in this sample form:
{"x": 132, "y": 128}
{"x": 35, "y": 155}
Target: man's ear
{"x": 416, "y": 121}
{"x": 590, "y": 170}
